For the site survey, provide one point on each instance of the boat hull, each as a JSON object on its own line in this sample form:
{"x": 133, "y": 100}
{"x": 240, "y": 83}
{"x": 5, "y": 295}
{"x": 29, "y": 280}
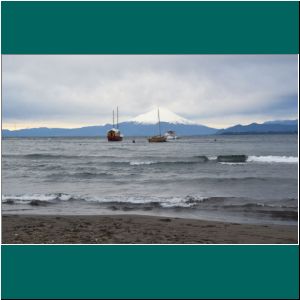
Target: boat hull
{"x": 157, "y": 139}
{"x": 115, "y": 138}
{"x": 114, "y": 135}
{"x": 171, "y": 138}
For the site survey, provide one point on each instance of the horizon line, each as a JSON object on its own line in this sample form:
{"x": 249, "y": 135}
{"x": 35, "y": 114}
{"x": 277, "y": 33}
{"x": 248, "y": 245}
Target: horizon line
{"x": 143, "y": 123}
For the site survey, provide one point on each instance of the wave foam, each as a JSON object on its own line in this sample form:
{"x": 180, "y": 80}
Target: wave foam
{"x": 138, "y": 163}
{"x": 57, "y": 197}
{"x": 273, "y": 159}
{"x": 284, "y": 209}
{"x": 24, "y": 198}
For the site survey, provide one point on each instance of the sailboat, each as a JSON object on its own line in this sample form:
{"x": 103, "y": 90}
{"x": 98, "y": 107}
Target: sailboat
{"x": 157, "y": 138}
{"x": 114, "y": 134}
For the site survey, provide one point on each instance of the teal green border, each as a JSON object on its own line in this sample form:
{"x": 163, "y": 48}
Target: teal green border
{"x": 150, "y": 271}
{"x": 150, "y": 27}
{"x": 176, "y": 272}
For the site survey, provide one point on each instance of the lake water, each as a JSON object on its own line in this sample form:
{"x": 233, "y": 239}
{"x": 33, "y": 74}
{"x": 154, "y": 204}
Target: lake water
{"x": 93, "y": 176}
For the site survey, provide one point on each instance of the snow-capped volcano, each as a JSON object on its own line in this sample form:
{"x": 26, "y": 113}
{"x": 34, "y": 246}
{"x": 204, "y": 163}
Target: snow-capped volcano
{"x": 142, "y": 125}
{"x": 165, "y": 116}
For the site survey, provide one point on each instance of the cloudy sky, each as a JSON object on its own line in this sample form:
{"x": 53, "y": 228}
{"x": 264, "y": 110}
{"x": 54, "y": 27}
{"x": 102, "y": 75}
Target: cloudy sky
{"x": 215, "y": 90}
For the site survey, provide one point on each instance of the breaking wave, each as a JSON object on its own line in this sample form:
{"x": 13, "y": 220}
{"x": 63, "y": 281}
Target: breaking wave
{"x": 273, "y": 159}
{"x": 203, "y": 159}
{"x": 54, "y": 156}
{"x": 138, "y": 163}
{"x": 187, "y": 201}
{"x": 286, "y": 209}
{"x": 176, "y": 160}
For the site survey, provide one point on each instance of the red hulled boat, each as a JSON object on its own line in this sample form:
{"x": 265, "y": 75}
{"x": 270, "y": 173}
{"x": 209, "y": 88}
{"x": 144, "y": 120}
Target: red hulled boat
{"x": 114, "y": 134}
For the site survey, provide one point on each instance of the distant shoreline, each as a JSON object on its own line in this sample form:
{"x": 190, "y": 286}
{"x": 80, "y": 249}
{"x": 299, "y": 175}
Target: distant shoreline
{"x": 145, "y": 136}
{"x": 134, "y": 129}
{"x": 136, "y": 229}
{"x": 254, "y": 133}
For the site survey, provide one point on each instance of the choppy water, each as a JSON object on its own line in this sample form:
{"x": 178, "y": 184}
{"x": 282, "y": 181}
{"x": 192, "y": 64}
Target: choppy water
{"x": 93, "y": 176}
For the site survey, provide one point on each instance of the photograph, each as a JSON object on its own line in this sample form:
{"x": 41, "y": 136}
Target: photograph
{"x": 150, "y": 149}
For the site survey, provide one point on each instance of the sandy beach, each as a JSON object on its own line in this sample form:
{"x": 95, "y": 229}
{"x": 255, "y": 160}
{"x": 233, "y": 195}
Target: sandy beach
{"x": 134, "y": 229}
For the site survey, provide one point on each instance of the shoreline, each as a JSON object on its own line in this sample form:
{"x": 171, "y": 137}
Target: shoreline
{"x": 137, "y": 229}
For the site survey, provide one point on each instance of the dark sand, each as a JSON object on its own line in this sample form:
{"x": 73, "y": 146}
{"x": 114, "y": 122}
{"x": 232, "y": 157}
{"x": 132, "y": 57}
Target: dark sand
{"x": 133, "y": 229}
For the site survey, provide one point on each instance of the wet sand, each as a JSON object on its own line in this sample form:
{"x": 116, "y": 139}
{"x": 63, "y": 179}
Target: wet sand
{"x": 134, "y": 229}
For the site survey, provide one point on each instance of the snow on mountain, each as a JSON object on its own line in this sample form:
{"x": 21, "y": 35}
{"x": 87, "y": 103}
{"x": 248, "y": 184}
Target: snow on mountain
{"x": 166, "y": 115}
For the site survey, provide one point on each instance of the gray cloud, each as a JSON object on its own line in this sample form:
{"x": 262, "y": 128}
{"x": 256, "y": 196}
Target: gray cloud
{"x": 213, "y": 89}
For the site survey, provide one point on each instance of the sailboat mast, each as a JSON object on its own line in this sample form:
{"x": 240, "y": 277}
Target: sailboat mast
{"x": 159, "y": 122}
{"x": 113, "y": 118}
{"x": 117, "y": 117}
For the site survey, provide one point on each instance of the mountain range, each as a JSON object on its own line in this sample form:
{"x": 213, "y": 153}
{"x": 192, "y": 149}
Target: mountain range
{"x": 146, "y": 125}
{"x": 281, "y": 126}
